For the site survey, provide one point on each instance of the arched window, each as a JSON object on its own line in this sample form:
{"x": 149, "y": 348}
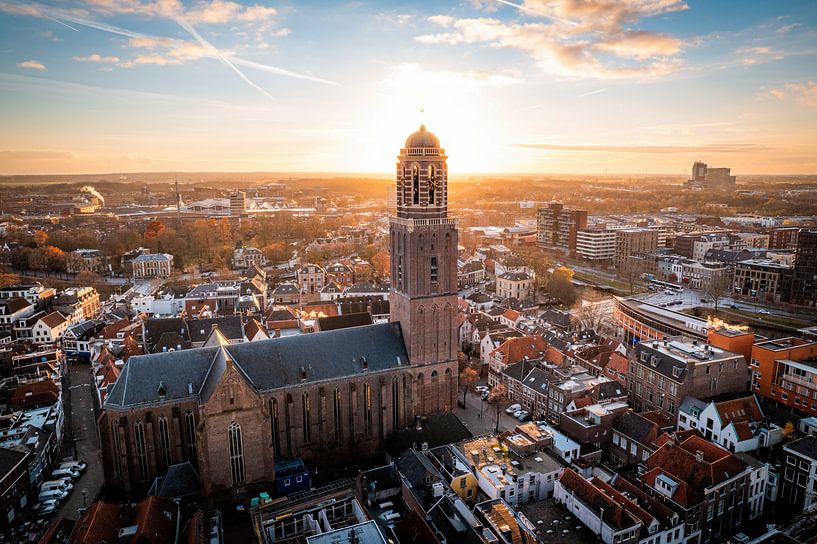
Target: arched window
{"x": 142, "y": 466}
{"x": 337, "y": 412}
{"x": 236, "y": 453}
{"x": 164, "y": 443}
{"x": 367, "y": 408}
{"x": 117, "y": 450}
{"x": 415, "y": 184}
{"x": 274, "y": 427}
{"x": 190, "y": 432}
{"x": 307, "y": 415}
{"x": 395, "y": 404}
{"x": 432, "y": 184}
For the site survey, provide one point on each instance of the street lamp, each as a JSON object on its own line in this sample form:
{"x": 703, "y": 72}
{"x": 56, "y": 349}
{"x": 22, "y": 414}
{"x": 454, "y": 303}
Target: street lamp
{"x": 84, "y": 501}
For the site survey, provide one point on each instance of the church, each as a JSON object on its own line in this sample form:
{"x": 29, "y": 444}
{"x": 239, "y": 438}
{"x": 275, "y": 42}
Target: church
{"x": 327, "y": 397}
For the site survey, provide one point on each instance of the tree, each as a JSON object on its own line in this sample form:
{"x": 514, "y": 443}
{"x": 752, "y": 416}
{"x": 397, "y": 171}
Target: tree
{"x": 499, "y": 398}
{"x": 560, "y": 286}
{"x": 718, "y": 287}
{"x": 468, "y": 377}
{"x": 381, "y": 263}
{"x": 40, "y": 238}
{"x": 276, "y": 252}
{"x": 592, "y": 311}
{"x": 630, "y": 271}
{"x": 535, "y": 259}
{"x": 9, "y": 279}
{"x": 88, "y": 278}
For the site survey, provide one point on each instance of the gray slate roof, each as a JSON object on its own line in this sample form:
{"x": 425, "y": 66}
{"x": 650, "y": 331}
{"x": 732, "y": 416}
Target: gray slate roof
{"x": 267, "y": 364}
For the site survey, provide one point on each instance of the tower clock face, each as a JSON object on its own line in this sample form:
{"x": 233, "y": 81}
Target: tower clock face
{"x": 434, "y": 183}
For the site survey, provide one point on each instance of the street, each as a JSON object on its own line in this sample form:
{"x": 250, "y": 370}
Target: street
{"x": 485, "y": 424}
{"x": 83, "y": 429}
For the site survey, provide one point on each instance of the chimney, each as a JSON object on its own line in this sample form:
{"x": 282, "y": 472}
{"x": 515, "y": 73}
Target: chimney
{"x": 699, "y": 456}
{"x": 418, "y": 423}
{"x": 277, "y": 333}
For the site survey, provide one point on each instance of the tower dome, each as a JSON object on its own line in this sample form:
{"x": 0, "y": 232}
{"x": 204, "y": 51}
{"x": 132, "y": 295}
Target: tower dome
{"x": 422, "y": 138}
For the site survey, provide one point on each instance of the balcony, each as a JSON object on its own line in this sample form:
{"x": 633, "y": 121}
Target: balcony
{"x": 799, "y": 381}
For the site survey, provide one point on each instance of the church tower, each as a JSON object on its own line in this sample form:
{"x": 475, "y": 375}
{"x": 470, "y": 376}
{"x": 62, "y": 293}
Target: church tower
{"x": 423, "y": 294}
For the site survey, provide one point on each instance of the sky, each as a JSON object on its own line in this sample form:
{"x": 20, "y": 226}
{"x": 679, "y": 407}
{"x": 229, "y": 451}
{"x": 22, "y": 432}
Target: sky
{"x": 523, "y": 86}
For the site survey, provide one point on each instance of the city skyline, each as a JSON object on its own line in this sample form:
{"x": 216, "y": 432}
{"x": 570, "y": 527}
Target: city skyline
{"x": 621, "y": 87}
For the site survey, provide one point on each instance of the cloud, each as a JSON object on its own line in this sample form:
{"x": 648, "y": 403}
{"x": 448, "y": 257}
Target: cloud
{"x": 557, "y": 50}
{"x": 441, "y": 20}
{"x": 32, "y": 65}
{"x": 803, "y": 93}
{"x": 576, "y": 38}
{"x": 661, "y": 149}
{"x": 98, "y": 59}
{"x": 208, "y": 12}
{"x": 785, "y": 29}
{"x": 591, "y": 93}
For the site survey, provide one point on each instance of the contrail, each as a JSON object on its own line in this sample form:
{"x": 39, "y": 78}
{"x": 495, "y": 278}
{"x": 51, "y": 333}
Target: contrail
{"x": 207, "y": 45}
{"x": 63, "y": 24}
{"x": 590, "y": 93}
{"x": 61, "y": 16}
{"x": 520, "y": 7}
{"x": 280, "y": 71}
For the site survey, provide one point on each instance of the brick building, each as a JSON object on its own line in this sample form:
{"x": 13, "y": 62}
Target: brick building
{"x": 663, "y": 372}
{"x": 557, "y": 227}
{"x": 329, "y": 397}
{"x": 785, "y": 371}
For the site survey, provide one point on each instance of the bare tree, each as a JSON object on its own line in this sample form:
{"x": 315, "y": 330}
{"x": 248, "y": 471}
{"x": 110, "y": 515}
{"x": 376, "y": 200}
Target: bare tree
{"x": 629, "y": 271}
{"x": 592, "y": 311}
{"x": 718, "y": 287}
{"x": 499, "y": 398}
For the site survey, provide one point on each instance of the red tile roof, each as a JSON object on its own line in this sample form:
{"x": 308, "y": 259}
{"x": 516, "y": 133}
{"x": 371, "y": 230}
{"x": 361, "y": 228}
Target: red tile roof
{"x": 98, "y": 525}
{"x": 516, "y": 349}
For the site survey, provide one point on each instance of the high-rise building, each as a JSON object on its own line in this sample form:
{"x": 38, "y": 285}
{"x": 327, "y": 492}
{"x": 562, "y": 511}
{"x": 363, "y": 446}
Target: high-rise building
{"x": 598, "y": 245}
{"x": 557, "y": 227}
{"x": 634, "y": 243}
{"x": 804, "y": 282}
{"x": 238, "y": 203}
{"x": 712, "y": 179}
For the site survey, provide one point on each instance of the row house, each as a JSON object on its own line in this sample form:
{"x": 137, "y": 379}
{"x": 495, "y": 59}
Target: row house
{"x": 77, "y": 341}
{"x": 41, "y": 328}
{"x": 592, "y": 425}
{"x": 12, "y": 310}
{"x": 737, "y": 424}
{"x": 618, "y": 511}
{"x": 711, "y": 487}
{"x": 470, "y": 273}
{"x": 799, "y": 485}
{"x": 527, "y": 385}
{"x": 490, "y": 340}
{"x": 512, "y": 349}
{"x": 341, "y": 274}
{"x": 635, "y": 436}
{"x": 34, "y": 293}
{"x": 78, "y": 303}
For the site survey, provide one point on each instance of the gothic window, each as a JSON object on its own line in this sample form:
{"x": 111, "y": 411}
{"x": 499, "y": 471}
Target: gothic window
{"x": 190, "y": 430}
{"x": 337, "y": 412}
{"x": 236, "y": 453}
{"x": 367, "y": 408}
{"x": 307, "y": 415}
{"x": 164, "y": 442}
{"x": 433, "y": 269}
{"x": 415, "y": 184}
{"x": 141, "y": 451}
{"x": 274, "y": 428}
{"x": 432, "y": 184}
{"x": 395, "y": 404}
{"x": 117, "y": 450}
{"x": 400, "y": 272}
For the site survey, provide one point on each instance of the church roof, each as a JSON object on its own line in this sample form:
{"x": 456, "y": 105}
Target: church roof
{"x": 422, "y": 138}
{"x": 267, "y": 364}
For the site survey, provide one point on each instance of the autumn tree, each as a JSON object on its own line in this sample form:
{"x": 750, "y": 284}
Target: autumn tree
{"x": 9, "y": 279}
{"x": 276, "y": 252}
{"x": 40, "y": 238}
{"x": 468, "y": 377}
{"x": 560, "y": 286}
{"x": 629, "y": 271}
{"x": 535, "y": 259}
{"x": 382, "y": 264}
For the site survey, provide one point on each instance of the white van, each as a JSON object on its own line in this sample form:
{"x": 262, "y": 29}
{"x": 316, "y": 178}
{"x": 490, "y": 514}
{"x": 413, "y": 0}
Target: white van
{"x": 62, "y": 485}
{"x": 54, "y": 494}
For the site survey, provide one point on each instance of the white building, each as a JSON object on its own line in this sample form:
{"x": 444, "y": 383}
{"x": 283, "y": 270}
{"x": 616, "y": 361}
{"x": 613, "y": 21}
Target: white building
{"x": 738, "y": 425}
{"x": 596, "y": 244}
{"x": 155, "y": 265}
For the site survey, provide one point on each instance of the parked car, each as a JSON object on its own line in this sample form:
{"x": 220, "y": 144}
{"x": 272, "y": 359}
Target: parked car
{"x": 523, "y": 416}
{"x": 79, "y": 466}
{"x": 45, "y": 508}
{"x": 764, "y": 312}
{"x": 485, "y": 395}
{"x": 735, "y": 306}
{"x": 513, "y": 408}
{"x": 481, "y": 389}
{"x": 52, "y": 494}
{"x": 62, "y": 485}
{"x": 65, "y": 473}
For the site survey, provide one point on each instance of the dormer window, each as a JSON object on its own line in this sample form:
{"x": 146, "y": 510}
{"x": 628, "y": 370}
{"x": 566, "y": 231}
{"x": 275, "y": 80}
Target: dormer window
{"x": 303, "y": 374}
{"x": 364, "y": 364}
{"x": 162, "y": 391}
